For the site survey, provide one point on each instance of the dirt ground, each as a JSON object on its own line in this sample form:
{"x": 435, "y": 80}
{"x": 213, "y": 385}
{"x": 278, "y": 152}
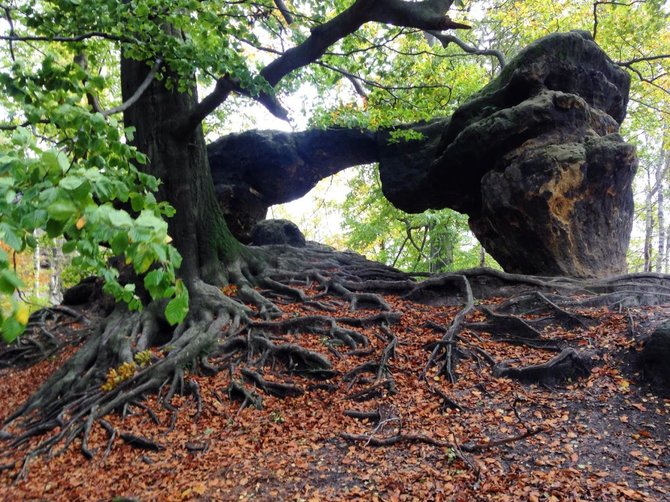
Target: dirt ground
{"x": 602, "y": 437}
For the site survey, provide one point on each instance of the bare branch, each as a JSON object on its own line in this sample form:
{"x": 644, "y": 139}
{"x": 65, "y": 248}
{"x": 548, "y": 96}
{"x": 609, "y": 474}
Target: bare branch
{"x": 643, "y": 59}
{"x": 8, "y": 16}
{"x": 650, "y": 106}
{"x": 429, "y": 15}
{"x": 81, "y": 60}
{"x": 13, "y": 127}
{"x": 77, "y": 38}
{"x": 645, "y": 79}
{"x": 281, "y": 6}
{"x": 138, "y": 92}
{"x": 445, "y": 40}
{"x": 426, "y": 15}
{"x": 224, "y": 86}
{"x": 269, "y": 101}
{"x": 372, "y": 83}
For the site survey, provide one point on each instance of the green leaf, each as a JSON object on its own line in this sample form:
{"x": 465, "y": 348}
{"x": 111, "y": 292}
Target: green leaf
{"x": 153, "y": 278}
{"x": 136, "y": 202}
{"x": 119, "y": 218}
{"x": 21, "y": 136}
{"x": 9, "y": 236}
{"x": 9, "y": 282}
{"x": 55, "y": 160}
{"x": 11, "y": 329}
{"x": 62, "y": 210}
{"x": 177, "y": 308}
{"x": 55, "y": 228}
{"x": 35, "y": 219}
{"x": 69, "y": 246}
{"x": 71, "y": 182}
{"x": 119, "y": 243}
{"x": 148, "y": 219}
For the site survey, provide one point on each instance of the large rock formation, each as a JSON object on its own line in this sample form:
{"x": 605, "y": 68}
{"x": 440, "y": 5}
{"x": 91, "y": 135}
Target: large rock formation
{"x": 256, "y": 169}
{"x": 534, "y": 159}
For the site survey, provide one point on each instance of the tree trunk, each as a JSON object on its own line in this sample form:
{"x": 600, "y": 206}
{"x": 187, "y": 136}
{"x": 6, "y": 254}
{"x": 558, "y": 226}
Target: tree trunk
{"x": 56, "y": 259}
{"x": 649, "y": 224}
{"x": 660, "y": 186}
{"x": 661, "y": 230}
{"x": 37, "y": 267}
{"x": 198, "y": 228}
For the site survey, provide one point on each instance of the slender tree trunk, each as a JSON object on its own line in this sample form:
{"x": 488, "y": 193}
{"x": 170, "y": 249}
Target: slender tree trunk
{"x": 660, "y": 187}
{"x": 198, "y": 228}
{"x": 55, "y": 284}
{"x": 649, "y": 225}
{"x": 661, "y": 232}
{"x": 37, "y": 267}
{"x": 482, "y": 256}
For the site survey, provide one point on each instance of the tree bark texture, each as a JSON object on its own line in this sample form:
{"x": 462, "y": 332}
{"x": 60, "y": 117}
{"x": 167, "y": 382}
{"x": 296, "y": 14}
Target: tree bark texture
{"x": 180, "y": 161}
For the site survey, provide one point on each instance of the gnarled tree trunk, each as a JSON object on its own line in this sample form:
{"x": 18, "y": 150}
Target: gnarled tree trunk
{"x": 180, "y": 161}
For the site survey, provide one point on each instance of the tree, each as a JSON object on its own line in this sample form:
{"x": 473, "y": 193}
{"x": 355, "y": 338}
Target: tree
{"x": 105, "y": 186}
{"x": 423, "y": 243}
{"x": 72, "y": 159}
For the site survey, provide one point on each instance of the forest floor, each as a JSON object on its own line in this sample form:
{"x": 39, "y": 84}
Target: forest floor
{"x": 602, "y": 437}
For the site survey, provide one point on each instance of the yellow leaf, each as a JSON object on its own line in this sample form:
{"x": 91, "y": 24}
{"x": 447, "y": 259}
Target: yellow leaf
{"x": 199, "y": 488}
{"x": 22, "y": 314}
{"x": 80, "y": 223}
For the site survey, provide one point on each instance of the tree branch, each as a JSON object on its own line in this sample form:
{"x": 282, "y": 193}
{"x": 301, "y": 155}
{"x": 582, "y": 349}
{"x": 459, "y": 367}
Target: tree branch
{"x": 13, "y": 127}
{"x": 77, "y": 38}
{"x": 644, "y": 79}
{"x": 12, "y": 33}
{"x": 643, "y": 59}
{"x": 138, "y": 93}
{"x": 224, "y": 86}
{"x": 426, "y": 15}
{"x": 445, "y": 40}
{"x": 286, "y": 14}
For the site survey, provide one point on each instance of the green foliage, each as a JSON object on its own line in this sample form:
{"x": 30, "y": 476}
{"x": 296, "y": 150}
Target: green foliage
{"x": 63, "y": 171}
{"x": 432, "y": 241}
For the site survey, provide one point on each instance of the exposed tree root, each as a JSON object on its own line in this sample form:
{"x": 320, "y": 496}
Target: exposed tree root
{"x": 446, "y": 345}
{"x": 248, "y": 334}
{"x": 568, "y": 365}
{"x": 422, "y": 438}
{"x": 40, "y": 341}
{"x": 273, "y": 388}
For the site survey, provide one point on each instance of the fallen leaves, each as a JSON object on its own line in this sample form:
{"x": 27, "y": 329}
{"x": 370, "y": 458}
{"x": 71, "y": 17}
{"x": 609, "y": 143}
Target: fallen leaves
{"x": 601, "y": 439}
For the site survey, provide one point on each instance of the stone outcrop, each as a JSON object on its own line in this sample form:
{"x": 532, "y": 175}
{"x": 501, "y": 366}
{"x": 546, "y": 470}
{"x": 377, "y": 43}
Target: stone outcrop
{"x": 534, "y": 159}
{"x": 536, "y": 162}
{"x": 256, "y": 169}
{"x": 270, "y": 232}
